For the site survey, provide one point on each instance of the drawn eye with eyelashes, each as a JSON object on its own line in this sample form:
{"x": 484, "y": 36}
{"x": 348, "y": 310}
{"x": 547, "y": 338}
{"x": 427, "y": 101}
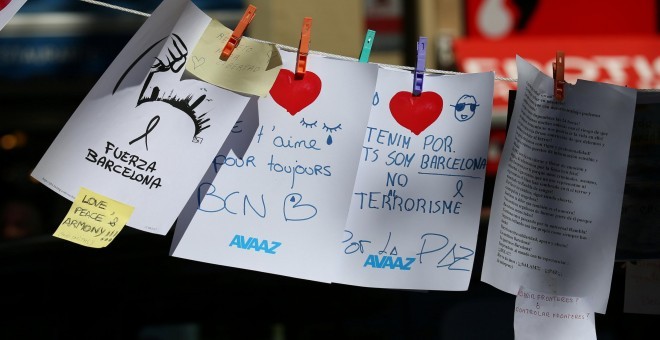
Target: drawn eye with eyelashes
{"x": 331, "y": 129}
{"x": 308, "y": 125}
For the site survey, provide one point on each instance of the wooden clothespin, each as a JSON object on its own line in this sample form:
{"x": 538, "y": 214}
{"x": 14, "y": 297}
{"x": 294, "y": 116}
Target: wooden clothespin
{"x": 366, "y": 47}
{"x": 418, "y": 81}
{"x": 303, "y": 47}
{"x": 558, "y": 76}
{"x": 238, "y": 32}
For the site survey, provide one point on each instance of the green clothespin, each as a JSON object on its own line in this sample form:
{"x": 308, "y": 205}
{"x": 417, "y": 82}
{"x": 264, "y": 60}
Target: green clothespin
{"x": 366, "y": 47}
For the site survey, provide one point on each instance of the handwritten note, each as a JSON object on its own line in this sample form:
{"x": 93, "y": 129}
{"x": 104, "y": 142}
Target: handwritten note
{"x": 93, "y": 220}
{"x": 279, "y": 205}
{"x": 642, "y": 293}
{"x": 559, "y": 189}
{"x": 547, "y": 316}
{"x": 251, "y": 68}
{"x": 8, "y": 9}
{"x": 142, "y": 135}
{"x": 416, "y": 203}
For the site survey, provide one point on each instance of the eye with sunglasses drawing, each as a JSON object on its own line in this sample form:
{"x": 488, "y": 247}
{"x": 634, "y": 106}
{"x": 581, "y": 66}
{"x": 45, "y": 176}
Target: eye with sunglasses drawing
{"x": 465, "y": 107}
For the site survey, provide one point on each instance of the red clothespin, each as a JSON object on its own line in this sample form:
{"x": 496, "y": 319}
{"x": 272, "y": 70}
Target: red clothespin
{"x": 238, "y": 32}
{"x": 558, "y": 76}
{"x": 303, "y": 48}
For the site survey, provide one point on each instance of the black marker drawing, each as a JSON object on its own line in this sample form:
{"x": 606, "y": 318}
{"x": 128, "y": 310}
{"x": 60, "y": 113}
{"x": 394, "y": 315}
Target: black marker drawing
{"x": 152, "y": 125}
{"x": 173, "y": 60}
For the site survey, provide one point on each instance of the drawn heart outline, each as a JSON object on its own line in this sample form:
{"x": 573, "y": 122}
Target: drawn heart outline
{"x": 295, "y": 94}
{"x": 293, "y": 206}
{"x": 416, "y": 113}
{"x": 198, "y": 61}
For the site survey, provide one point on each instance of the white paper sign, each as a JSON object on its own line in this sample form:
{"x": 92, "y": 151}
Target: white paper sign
{"x": 282, "y": 206}
{"x": 8, "y": 9}
{"x": 559, "y": 188}
{"x": 416, "y": 204}
{"x": 540, "y": 316}
{"x": 142, "y": 136}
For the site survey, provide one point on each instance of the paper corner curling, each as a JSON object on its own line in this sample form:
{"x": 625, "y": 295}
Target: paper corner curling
{"x": 251, "y": 68}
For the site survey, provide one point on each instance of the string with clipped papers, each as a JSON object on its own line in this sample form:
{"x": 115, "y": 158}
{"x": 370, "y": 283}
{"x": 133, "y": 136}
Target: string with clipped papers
{"x": 336, "y": 56}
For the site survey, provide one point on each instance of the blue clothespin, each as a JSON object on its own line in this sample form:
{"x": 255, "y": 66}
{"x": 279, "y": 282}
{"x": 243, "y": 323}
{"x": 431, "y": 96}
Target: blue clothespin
{"x": 366, "y": 47}
{"x": 421, "y": 66}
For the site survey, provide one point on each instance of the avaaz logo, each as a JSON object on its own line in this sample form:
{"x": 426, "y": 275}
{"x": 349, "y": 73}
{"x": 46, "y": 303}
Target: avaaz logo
{"x": 253, "y": 243}
{"x": 389, "y": 262}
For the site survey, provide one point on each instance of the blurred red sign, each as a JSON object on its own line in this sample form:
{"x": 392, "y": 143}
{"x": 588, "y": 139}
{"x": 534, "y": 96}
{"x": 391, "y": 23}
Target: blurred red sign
{"x": 632, "y": 61}
{"x": 496, "y": 19}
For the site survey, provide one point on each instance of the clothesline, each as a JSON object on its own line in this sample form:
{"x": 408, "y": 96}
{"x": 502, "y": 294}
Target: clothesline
{"x": 336, "y": 56}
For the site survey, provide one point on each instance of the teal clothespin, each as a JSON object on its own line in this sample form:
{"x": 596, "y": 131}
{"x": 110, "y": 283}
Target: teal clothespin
{"x": 366, "y": 47}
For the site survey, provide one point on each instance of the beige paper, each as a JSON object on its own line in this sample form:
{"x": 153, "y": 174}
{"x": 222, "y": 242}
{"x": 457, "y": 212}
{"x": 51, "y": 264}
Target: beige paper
{"x": 94, "y": 220}
{"x": 251, "y": 68}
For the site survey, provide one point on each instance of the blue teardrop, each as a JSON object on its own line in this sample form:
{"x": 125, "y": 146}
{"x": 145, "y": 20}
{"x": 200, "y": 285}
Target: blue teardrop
{"x": 293, "y": 199}
{"x": 376, "y": 100}
{"x": 329, "y": 141}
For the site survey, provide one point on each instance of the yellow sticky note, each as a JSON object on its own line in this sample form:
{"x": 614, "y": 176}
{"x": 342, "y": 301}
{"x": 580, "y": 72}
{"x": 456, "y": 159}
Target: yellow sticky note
{"x": 251, "y": 68}
{"x": 93, "y": 220}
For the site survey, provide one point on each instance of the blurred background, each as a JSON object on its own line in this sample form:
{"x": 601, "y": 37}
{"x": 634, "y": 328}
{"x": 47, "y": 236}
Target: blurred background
{"x": 53, "y": 51}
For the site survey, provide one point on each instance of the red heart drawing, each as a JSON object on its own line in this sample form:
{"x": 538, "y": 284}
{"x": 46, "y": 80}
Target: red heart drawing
{"x": 295, "y": 94}
{"x": 416, "y": 113}
{"x": 4, "y": 3}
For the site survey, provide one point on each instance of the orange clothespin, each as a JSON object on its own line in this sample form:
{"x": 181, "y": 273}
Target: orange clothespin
{"x": 238, "y": 32}
{"x": 558, "y": 76}
{"x": 303, "y": 48}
